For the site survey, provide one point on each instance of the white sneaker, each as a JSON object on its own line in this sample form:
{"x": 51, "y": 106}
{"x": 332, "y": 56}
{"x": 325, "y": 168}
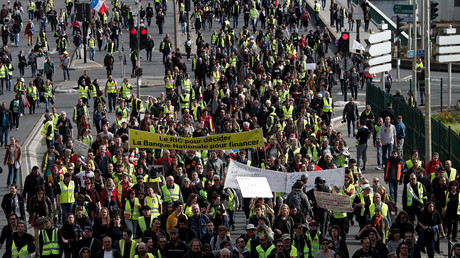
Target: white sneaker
{"x": 379, "y": 168}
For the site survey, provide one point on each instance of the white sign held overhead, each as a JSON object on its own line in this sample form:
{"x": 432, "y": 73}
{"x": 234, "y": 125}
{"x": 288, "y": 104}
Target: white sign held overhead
{"x": 378, "y": 37}
{"x": 378, "y": 60}
{"x": 448, "y": 40}
{"x": 379, "y": 49}
{"x": 252, "y": 187}
{"x": 358, "y": 46}
{"x": 379, "y": 68}
{"x": 448, "y": 58}
{"x": 311, "y": 66}
{"x": 80, "y": 148}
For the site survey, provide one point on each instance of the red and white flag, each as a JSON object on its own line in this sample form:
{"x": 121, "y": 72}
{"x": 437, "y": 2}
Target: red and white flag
{"x": 99, "y": 6}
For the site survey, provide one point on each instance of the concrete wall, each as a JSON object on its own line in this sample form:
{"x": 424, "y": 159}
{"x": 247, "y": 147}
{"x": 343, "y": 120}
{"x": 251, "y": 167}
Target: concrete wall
{"x": 448, "y": 11}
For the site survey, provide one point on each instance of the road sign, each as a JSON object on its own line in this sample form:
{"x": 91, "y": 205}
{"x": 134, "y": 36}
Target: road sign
{"x": 421, "y": 52}
{"x": 378, "y": 60}
{"x": 448, "y": 58}
{"x": 403, "y": 8}
{"x": 410, "y": 53}
{"x": 448, "y": 50}
{"x": 379, "y": 49}
{"x": 448, "y": 40}
{"x": 378, "y": 37}
{"x": 409, "y": 19}
{"x": 379, "y": 68}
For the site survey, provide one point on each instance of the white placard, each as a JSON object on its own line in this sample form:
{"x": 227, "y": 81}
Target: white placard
{"x": 40, "y": 62}
{"x": 252, "y": 187}
{"x": 80, "y": 148}
{"x": 332, "y": 177}
{"x": 311, "y": 66}
{"x": 335, "y": 202}
{"x": 276, "y": 180}
{"x": 281, "y": 181}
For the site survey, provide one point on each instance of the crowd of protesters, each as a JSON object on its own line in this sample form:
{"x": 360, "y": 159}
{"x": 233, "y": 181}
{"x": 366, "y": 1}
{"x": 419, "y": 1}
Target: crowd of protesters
{"x": 118, "y": 201}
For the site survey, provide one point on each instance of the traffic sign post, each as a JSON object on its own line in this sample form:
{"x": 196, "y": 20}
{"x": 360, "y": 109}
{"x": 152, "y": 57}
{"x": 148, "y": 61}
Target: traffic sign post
{"x": 448, "y": 51}
{"x": 379, "y": 49}
{"x": 403, "y": 8}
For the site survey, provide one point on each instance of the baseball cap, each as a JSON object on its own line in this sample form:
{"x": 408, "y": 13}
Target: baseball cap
{"x": 174, "y": 230}
{"x": 250, "y": 226}
{"x": 366, "y": 186}
{"x": 286, "y": 237}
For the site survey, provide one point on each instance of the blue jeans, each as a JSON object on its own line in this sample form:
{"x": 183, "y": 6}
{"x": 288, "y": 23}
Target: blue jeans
{"x": 231, "y": 217}
{"x": 386, "y": 152}
{"x": 4, "y": 130}
{"x": 393, "y": 185}
{"x": 12, "y": 175}
{"x": 183, "y": 27}
{"x": 66, "y": 71}
{"x": 235, "y": 21}
{"x": 132, "y": 225}
{"x": 379, "y": 155}
{"x": 92, "y": 51}
{"x": 351, "y": 121}
{"x": 31, "y": 14}
{"x": 16, "y": 39}
{"x": 47, "y": 104}
{"x": 66, "y": 208}
{"x": 354, "y": 91}
{"x": 112, "y": 101}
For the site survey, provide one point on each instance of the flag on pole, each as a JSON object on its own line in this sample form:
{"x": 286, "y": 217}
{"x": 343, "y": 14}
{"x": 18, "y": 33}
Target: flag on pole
{"x": 358, "y": 46}
{"x": 99, "y": 6}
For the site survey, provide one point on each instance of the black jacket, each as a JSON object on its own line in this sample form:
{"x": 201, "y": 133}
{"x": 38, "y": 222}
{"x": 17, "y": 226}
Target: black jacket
{"x": 8, "y": 118}
{"x": 7, "y": 205}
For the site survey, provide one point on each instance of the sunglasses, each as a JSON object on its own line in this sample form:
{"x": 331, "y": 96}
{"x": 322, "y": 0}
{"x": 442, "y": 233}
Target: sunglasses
{"x": 279, "y": 246}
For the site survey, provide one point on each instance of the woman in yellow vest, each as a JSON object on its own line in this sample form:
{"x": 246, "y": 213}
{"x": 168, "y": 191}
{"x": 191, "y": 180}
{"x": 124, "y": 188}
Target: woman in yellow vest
{"x": 361, "y": 205}
{"x": 451, "y": 210}
{"x": 130, "y": 207}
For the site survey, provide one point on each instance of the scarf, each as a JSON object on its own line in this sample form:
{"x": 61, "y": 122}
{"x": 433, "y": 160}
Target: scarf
{"x": 109, "y": 192}
{"x": 377, "y": 223}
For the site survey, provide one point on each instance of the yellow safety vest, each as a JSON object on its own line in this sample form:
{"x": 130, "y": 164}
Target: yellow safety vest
{"x": 167, "y": 196}
{"x": 184, "y": 101}
{"x": 317, "y": 7}
{"x": 410, "y": 197}
{"x": 361, "y": 198}
{"x": 45, "y": 130}
{"x": 327, "y": 105}
{"x": 111, "y": 87}
{"x": 288, "y": 112}
{"x": 132, "y": 250}
{"x": 262, "y": 253}
{"x": 384, "y": 210}
{"x": 125, "y": 90}
{"x": 131, "y": 213}
{"x": 92, "y": 43}
{"x": 314, "y": 242}
{"x": 21, "y": 253}
{"x": 32, "y": 92}
{"x": 50, "y": 247}
{"x": 67, "y": 194}
{"x": 83, "y": 92}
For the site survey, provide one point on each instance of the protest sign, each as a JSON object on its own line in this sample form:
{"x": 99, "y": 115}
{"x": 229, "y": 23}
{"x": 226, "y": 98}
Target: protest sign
{"x": 80, "y": 148}
{"x": 244, "y": 140}
{"x": 281, "y": 181}
{"x": 335, "y": 202}
{"x": 252, "y": 187}
{"x": 276, "y": 180}
{"x": 332, "y": 176}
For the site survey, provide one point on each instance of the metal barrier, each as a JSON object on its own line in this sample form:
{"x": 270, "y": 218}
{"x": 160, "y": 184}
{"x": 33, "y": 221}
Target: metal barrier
{"x": 444, "y": 140}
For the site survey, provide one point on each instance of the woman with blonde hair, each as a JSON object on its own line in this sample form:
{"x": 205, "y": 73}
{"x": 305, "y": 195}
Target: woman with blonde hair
{"x": 283, "y": 223}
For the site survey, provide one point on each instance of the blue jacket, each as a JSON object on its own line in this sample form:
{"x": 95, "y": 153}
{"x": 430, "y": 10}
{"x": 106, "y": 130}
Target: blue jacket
{"x": 400, "y": 131}
{"x": 198, "y": 225}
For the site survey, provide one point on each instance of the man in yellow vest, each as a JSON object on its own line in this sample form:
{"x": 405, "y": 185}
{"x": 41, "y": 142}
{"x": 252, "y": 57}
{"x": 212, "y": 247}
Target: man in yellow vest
{"x": 171, "y": 191}
{"x": 65, "y": 195}
{"x": 112, "y": 89}
{"x": 127, "y": 245}
{"x": 451, "y": 172}
{"x": 92, "y": 47}
{"x": 126, "y": 88}
{"x": 50, "y": 240}
{"x": 31, "y": 9}
{"x": 327, "y": 110}
{"x": 317, "y": 8}
{"x": 47, "y": 130}
{"x": 265, "y": 248}
{"x": 22, "y": 243}
{"x": 414, "y": 196}
{"x": 184, "y": 101}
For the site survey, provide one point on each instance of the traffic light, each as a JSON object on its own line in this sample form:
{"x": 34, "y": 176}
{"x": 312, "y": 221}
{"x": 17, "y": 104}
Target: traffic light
{"x": 433, "y": 10}
{"x": 399, "y": 24}
{"x": 138, "y": 72}
{"x": 345, "y": 42}
{"x": 133, "y": 38}
{"x": 143, "y": 38}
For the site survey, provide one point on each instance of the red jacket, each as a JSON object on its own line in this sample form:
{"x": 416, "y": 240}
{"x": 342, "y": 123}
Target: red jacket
{"x": 430, "y": 166}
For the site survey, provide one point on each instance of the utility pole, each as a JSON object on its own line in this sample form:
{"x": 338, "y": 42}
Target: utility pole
{"x": 422, "y": 21}
{"x": 176, "y": 37}
{"x": 138, "y": 34}
{"x": 414, "y": 59}
{"x": 427, "y": 29}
